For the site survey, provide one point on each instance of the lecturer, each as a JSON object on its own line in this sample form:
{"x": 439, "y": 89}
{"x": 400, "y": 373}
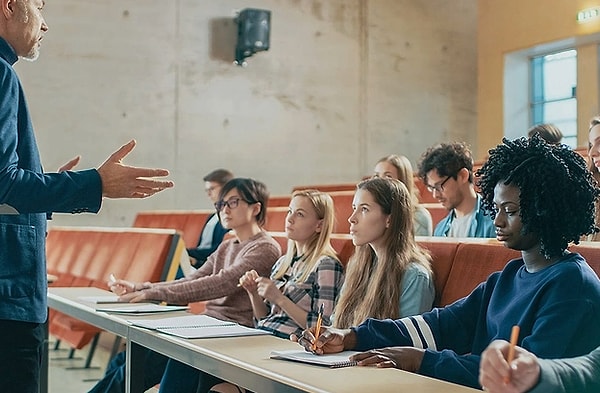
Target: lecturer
{"x": 28, "y": 196}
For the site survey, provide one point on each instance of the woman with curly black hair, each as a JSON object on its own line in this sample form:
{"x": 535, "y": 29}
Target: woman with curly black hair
{"x": 542, "y": 198}
{"x": 557, "y": 192}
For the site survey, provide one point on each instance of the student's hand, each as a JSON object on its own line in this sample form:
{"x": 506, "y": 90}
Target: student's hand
{"x": 268, "y": 290}
{"x": 248, "y": 281}
{"x": 70, "y": 165}
{"x": 134, "y": 297}
{"x": 522, "y": 374}
{"x": 122, "y": 181}
{"x": 330, "y": 340}
{"x": 121, "y": 287}
{"x": 404, "y": 358}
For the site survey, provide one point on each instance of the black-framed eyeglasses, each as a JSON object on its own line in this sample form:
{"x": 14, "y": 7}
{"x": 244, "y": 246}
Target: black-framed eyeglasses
{"x": 231, "y": 203}
{"x": 438, "y": 187}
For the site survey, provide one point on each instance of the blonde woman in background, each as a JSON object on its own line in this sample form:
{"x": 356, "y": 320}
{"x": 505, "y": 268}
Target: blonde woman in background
{"x": 389, "y": 275}
{"x": 399, "y": 168}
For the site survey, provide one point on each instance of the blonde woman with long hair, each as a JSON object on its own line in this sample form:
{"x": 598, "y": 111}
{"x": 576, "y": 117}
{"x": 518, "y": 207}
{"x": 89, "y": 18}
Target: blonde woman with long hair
{"x": 399, "y": 168}
{"x": 389, "y": 275}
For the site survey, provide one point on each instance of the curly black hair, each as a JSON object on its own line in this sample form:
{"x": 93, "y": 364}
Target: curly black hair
{"x": 557, "y": 191}
{"x": 447, "y": 159}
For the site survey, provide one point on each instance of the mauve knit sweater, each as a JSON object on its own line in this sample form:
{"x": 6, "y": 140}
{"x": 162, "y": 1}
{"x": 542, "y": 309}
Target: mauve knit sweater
{"x": 216, "y": 281}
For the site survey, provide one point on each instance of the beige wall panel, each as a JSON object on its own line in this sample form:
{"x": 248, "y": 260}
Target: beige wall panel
{"x": 422, "y": 75}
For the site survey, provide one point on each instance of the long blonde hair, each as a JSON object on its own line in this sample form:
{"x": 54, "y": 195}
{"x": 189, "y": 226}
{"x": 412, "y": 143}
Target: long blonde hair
{"x": 372, "y": 286}
{"x": 405, "y": 175}
{"x": 319, "y": 244}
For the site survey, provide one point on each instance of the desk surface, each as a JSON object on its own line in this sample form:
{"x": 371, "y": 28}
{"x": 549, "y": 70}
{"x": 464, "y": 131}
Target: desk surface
{"x": 245, "y": 360}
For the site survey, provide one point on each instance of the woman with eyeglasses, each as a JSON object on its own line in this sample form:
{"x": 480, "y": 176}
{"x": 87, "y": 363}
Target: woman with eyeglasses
{"x": 242, "y": 208}
{"x": 399, "y": 168}
{"x": 306, "y": 280}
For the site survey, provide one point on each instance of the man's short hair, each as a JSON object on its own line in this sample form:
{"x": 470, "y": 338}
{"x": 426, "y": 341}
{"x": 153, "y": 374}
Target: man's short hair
{"x": 220, "y": 176}
{"x": 447, "y": 159}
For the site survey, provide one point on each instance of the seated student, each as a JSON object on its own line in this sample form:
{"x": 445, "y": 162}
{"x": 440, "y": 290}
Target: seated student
{"x": 399, "y": 167}
{"x": 549, "y": 132}
{"x": 213, "y": 232}
{"x": 307, "y": 277}
{"x": 389, "y": 275}
{"x": 542, "y": 197}
{"x": 447, "y": 171}
{"x": 594, "y": 164}
{"x": 527, "y": 373}
{"x": 242, "y": 208}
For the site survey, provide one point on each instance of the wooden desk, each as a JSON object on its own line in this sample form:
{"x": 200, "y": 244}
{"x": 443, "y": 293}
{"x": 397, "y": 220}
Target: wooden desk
{"x": 245, "y": 360}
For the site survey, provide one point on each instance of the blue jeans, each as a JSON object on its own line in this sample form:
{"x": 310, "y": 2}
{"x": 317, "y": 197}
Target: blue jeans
{"x": 181, "y": 378}
{"x": 114, "y": 377}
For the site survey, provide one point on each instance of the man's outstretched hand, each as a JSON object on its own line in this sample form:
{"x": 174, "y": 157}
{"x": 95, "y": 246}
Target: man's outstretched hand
{"x": 123, "y": 181}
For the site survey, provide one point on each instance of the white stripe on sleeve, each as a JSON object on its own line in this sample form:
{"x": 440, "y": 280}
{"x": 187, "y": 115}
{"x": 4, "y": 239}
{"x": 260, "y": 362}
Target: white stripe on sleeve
{"x": 426, "y": 332}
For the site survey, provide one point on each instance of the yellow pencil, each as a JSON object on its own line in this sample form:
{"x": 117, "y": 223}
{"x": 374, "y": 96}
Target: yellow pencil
{"x": 514, "y": 337}
{"x": 318, "y": 327}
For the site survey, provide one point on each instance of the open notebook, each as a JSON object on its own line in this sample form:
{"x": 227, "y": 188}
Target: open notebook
{"x": 333, "y": 360}
{"x": 140, "y": 308}
{"x": 197, "y": 326}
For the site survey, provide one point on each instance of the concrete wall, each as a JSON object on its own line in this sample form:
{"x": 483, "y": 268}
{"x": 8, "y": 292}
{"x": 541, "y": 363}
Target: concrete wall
{"x": 344, "y": 83}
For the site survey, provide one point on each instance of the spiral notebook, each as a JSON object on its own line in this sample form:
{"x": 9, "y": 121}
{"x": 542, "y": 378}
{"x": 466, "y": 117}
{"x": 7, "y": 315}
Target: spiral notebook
{"x": 332, "y": 360}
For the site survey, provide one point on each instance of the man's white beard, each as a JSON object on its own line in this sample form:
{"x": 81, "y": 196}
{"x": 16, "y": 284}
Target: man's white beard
{"x": 32, "y": 55}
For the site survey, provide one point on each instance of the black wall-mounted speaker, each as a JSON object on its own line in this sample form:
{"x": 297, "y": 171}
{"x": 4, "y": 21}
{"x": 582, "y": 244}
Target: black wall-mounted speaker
{"x": 254, "y": 29}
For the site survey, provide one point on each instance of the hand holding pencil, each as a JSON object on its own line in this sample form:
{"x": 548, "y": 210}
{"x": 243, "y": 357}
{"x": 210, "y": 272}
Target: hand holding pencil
{"x": 497, "y": 374}
{"x": 319, "y": 325}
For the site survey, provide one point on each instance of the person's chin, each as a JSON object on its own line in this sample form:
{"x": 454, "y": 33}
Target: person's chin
{"x": 33, "y": 55}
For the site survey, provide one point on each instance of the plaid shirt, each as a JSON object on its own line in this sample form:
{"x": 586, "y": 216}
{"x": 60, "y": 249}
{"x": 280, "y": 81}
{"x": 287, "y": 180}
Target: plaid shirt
{"x": 321, "y": 287}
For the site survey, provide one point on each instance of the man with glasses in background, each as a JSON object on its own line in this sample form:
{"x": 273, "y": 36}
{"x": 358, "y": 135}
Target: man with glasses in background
{"x": 213, "y": 232}
{"x": 447, "y": 171}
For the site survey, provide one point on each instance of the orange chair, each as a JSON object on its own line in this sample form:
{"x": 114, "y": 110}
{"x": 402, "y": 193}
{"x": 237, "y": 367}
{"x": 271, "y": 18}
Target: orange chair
{"x": 188, "y": 222}
{"x": 275, "y": 219}
{"x": 328, "y": 187}
{"x": 82, "y": 256}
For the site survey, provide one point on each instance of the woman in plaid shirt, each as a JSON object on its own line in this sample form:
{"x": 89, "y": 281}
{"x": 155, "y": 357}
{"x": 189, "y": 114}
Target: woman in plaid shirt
{"x": 308, "y": 276}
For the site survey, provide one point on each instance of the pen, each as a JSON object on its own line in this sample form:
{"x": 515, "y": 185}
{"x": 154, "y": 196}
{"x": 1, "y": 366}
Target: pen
{"x": 318, "y": 327}
{"x": 514, "y": 337}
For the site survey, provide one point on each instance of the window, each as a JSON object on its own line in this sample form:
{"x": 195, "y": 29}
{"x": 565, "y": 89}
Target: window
{"x": 553, "y": 92}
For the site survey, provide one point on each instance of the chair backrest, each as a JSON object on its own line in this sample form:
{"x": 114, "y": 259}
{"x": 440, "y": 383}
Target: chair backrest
{"x": 328, "y": 187}
{"x": 188, "y": 222}
{"x": 473, "y": 263}
{"x": 275, "y": 218}
{"x": 135, "y": 254}
{"x": 342, "y": 202}
{"x": 279, "y": 200}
